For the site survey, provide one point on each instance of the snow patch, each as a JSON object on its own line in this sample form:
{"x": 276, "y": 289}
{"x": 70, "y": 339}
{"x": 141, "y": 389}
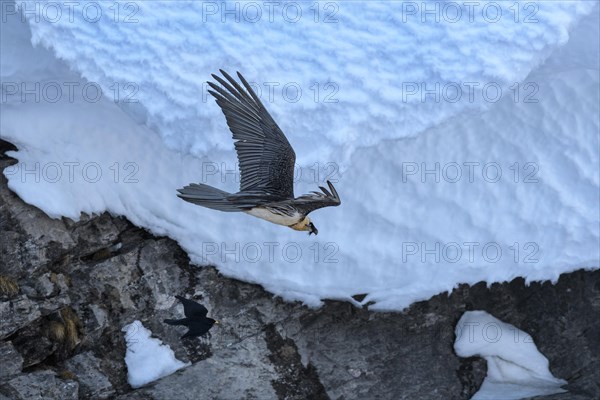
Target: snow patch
{"x": 147, "y": 358}
{"x": 516, "y": 369}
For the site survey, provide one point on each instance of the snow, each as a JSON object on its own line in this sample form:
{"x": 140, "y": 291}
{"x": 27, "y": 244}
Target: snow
{"x": 516, "y": 369}
{"x": 147, "y": 358}
{"x": 515, "y": 184}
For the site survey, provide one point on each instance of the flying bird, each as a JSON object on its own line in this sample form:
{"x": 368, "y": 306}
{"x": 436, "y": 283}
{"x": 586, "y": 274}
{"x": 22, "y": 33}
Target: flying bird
{"x": 266, "y": 162}
{"x": 195, "y": 318}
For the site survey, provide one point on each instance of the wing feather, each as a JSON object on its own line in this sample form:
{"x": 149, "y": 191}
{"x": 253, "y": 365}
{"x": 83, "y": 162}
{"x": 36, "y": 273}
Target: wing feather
{"x": 192, "y": 308}
{"x": 265, "y": 156}
{"x": 315, "y": 200}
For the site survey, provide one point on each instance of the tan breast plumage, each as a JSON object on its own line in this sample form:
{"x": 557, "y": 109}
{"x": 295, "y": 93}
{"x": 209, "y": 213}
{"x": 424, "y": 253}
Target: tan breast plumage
{"x": 279, "y": 219}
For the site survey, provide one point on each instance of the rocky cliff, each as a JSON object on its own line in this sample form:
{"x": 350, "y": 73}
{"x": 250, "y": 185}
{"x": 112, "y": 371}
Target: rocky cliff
{"x": 67, "y": 289}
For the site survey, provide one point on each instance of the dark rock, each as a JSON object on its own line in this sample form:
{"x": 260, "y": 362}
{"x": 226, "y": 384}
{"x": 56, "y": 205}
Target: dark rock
{"x": 40, "y": 385}
{"x": 471, "y": 373}
{"x": 11, "y": 362}
{"x": 296, "y": 381}
{"x": 359, "y": 297}
{"x": 93, "y": 384}
{"x": 6, "y": 146}
{"x": 33, "y": 345}
{"x": 17, "y": 313}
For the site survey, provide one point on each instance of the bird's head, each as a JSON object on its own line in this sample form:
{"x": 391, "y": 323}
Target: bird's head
{"x": 312, "y": 229}
{"x": 305, "y": 225}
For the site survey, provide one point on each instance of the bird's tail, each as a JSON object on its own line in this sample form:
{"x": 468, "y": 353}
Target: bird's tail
{"x": 175, "y": 321}
{"x": 209, "y": 197}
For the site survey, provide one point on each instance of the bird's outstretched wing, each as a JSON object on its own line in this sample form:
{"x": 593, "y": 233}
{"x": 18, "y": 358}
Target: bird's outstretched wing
{"x": 197, "y": 328}
{"x": 315, "y": 200}
{"x": 192, "y": 309}
{"x": 265, "y": 156}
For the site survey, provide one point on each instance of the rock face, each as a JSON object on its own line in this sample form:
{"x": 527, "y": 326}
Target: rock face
{"x": 41, "y": 385}
{"x": 67, "y": 289}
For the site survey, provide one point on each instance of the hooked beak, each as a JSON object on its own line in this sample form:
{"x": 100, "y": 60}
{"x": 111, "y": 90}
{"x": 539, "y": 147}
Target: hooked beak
{"x": 313, "y": 229}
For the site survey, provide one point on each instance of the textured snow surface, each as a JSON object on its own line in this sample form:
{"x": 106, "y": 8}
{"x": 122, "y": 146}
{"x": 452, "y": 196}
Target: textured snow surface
{"x": 170, "y": 48}
{"x": 515, "y": 187}
{"x": 516, "y": 369}
{"x": 147, "y": 358}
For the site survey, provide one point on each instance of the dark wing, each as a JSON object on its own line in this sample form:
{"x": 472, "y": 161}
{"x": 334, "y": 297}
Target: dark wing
{"x": 192, "y": 309}
{"x": 310, "y": 202}
{"x": 198, "y": 327}
{"x": 265, "y": 156}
